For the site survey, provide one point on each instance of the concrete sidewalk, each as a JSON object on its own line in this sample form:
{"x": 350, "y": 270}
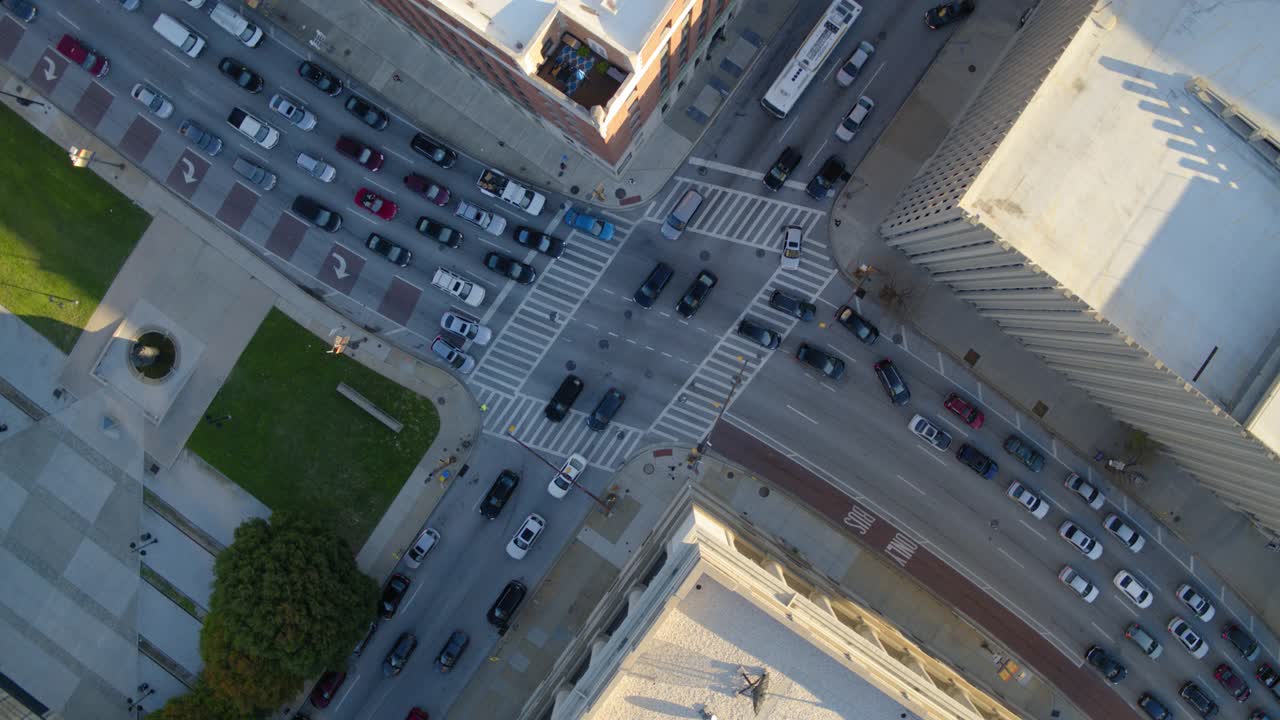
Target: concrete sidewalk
{"x": 1199, "y": 527}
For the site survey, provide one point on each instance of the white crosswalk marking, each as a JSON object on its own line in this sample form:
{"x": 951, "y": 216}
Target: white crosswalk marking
{"x": 736, "y": 216}
{"x": 607, "y": 449}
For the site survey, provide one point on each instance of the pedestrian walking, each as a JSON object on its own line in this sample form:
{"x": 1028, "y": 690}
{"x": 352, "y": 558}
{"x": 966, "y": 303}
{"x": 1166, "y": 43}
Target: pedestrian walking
{"x": 395, "y": 77}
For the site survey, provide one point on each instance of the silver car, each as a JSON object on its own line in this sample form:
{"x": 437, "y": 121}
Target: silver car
{"x": 426, "y": 540}
{"x": 317, "y": 168}
{"x": 292, "y": 109}
{"x": 469, "y": 329}
{"x": 151, "y": 98}
{"x": 452, "y": 356}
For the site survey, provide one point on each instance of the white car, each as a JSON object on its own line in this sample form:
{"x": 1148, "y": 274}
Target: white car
{"x": 1079, "y": 583}
{"x": 468, "y": 291}
{"x": 1072, "y": 533}
{"x": 849, "y": 71}
{"x": 293, "y": 110}
{"x": 1188, "y": 637}
{"x": 791, "y": 239}
{"x": 1197, "y": 602}
{"x": 1033, "y": 503}
{"x": 421, "y": 547}
{"x": 493, "y": 224}
{"x": 317, "y": 168}
{"x": 526, "y": 536}
{"x": 929, "y": 432}
{"x": 852, "y": 122}
{"x": 253, "y": 128}
{"x": 469, "y": 329}
{"x": 1087, "y": 492}
{"x": 1131, "y": 538}
{"x": 1132, "y": 589}
{"x": 155, "y": 103}
{"x": 564, "y": 480}
{"x": 452, "y": 356}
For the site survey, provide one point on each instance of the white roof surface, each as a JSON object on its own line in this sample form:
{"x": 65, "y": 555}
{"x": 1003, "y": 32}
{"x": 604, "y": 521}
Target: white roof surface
{"x": 512, "y": 22}
{"x": 1123, "y": 186}
{"x": 690, "y": 659}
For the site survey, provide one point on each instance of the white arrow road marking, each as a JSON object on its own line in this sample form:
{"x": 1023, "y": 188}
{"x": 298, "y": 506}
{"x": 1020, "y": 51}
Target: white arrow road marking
{"x": 50, "y": 72}
{"x": 189, "y": 171}
{"x": 341, "y": 270}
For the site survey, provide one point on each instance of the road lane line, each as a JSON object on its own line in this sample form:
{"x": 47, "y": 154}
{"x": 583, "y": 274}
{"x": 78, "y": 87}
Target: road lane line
{"x": 806, "y": 417}
{"x": 942, "y": 370}
{"x": 378, "y": 184}
{"x": 913, "y": 487}
{"x": 393, "y": 152}
{"x": 1011, "y": 558}
{"x": 931, "y": 453}
{"x": 1104, "y": 633}
{"x": 712, "y": 165}
{"x": 954, "y": 426}
{"x": 67, "y": 20}
{"x": 1127, "y": 605}
{"x": 1032, "y": 529}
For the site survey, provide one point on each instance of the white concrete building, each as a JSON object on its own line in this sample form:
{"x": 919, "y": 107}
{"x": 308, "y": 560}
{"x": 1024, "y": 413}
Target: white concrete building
{"x": 1111, "y": 199}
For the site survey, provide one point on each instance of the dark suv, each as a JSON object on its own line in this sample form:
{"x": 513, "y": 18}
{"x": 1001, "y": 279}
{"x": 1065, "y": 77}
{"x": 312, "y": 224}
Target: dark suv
{"x": 433, "y": 151}
{"x": 977, "y": 462}
{"x": 1111, "y": 669}
{"x": 505, "y": 606}
{"x": 1154, "y": 708}
{"x": 608, "y": 406}
{"x": 499, "y": 494}
{"x": 399, "y": 655}
{"x": 1241, "y": 641}
{"x": 858, "y": 325}
{"x": 778, "y": 174}
{"x": 653, "y": 285}
{"x": 392, "y": 593}
{"x": 316, "y": 214}
{"x": 892, "y": 383}
{"x": 452, "y": 650}
{"x": 697, "y": 293}
{"x": 795, "y": 307}
{"x": 761, "y": 335}
{"x": 1026, "y": 454}
{"x": 441, "y": 233}
{"x": 564, "y": 398}
{"x": 832, "y": 172}
{"x": 1199, "y": 700}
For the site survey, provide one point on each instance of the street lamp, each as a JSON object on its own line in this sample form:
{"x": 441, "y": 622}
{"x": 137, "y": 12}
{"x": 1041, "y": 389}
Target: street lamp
{"x": 696, "y": 453}
{"x": 82, "y": 157}
{"x": 862, "y": 273}
{"x": 23, "y": 102}
{"x": 511, "y": 432}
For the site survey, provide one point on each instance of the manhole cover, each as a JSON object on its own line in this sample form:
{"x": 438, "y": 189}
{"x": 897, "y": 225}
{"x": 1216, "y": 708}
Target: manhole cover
{"x": 704, "y": 256}
{"x": 574, "y": 190}
{"x": 604, "y": 344}
{"x": 626, "y": 314}
{"x": 759, "y": 252}
{"x": 764, "y": 491}
{"x": 620, "y": 193}
{"x": 570, "y": 365}
{"x": 440, "y": 400}
{"x": 730, "y": 474}
{"x": 648, "y": 374}
{"x": 648, "y": 468}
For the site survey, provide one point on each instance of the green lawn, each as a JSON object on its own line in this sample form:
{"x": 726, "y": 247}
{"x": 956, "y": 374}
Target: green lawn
{"x": 295, "y": 443}
{"x": 64, "y": 233}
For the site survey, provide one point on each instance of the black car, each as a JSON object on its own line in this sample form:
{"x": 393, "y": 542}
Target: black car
{"x": 697, "y": 292}
{"x": 452, "y": 650}
{"x": 794, "y": 307}
{"x": 510, "y": 268}
{"x": 608, "y": 406}
{"x": 316, "y": 214}
{"x": 369, "y": 114}
{"x": 892, "y": 382}
{"x": 759, "y": 334}
{"x": 548, "y": 245}
{"x": 241, "y": 75}
{"x": 947, "y": 13}
{"x": 1241, "y": 641}
{"x": 1111, "y": 668}
{"x": 858, "y": 325}
{"x": 433, "y": 151}
{"x": 325, "y": 81}
{"x": 1154, "y": 708}
{"x": 778, "y": 174}
{"x": 501, "y": 491}
{"x": 392, "y": 593}
{"x": 1199, "y": 700}
{"x": 399, "y": 655}
{"x": 977, "y": 461}
{"x": 564, "y": 398}
{"x": 653, "y": 285}
{"x": 25, "y": 11}
{"x": 833, "y": 171}
{"x": 439, "y": 232}
{"x": 505, "y": 606}
{"x": 392, "y": 252}
{"x": 820, "y": 360}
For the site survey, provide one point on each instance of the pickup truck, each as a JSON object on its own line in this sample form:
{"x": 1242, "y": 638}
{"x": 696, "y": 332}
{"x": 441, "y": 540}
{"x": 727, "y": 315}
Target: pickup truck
{"x": 483, "y": 219}
{"x": 465, "y": 290}
{"x": 495, "y": 184}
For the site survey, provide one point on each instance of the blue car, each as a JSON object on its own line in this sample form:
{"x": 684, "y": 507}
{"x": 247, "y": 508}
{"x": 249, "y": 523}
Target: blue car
{"x": 25, "y": 11}
{"x": 589, "y": 224}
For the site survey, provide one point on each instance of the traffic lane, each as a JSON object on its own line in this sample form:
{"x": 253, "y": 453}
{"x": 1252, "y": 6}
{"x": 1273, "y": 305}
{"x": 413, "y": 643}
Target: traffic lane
{"x": 1087, "y": 690}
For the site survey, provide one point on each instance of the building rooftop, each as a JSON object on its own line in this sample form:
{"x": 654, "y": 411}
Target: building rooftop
{"x": 1124, "y": 186}
{"x": 691, "y": 658}
{"x": 517, "y": 24}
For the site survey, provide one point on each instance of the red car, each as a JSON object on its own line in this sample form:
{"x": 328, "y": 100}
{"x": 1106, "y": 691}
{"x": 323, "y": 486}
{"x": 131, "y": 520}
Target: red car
{"x": 437, "y": 194}
{"x": 80, "y": 54}
{"x": 971, "y": 415}
{"x": 376, "y": 204}
{"x": 361, "y": 153}
{"x": 1235, "y": 685}
{"x": 417, "y": 714}
{"x": 322, "y": 694}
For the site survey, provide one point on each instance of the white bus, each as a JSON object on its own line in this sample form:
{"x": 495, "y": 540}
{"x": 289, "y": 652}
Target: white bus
{"x": 808, "y": 60}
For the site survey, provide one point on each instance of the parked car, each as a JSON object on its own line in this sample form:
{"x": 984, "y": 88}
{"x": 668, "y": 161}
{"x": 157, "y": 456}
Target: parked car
{"x": 325, "y": 690}
{"x": 88, "y": 59}
{"x": 1080, "y": 540}
{"x": 483, "y": 219}
{"x": 369, "y": 158}
{"x": 833, "y": 171}
{"x": 947, "y": 13}
{"x": 848, "y": 72}
{"x": 1202, "y": 608}
{"x": 1241, "y": 641}
{"x": 510, "y": 268}
{"x": 977, "y": 461}
{"x": 152, "y": 100}
{"x": 608, "y": 406}
{"x": 968, "y": 413}
{"x": 316, "y": 214}
{"x": 433, "y": 151}
{"x": 1189, "y": 638}
{"x": 526, "y": 536}
{"x": 1111, "y": 668}
{"x": 427, "y": 539}
{"x": 439, "y": 232}
{"x": 793, "y": 306}
{"x": 499, "y": 493}
{"x": 782, "y": 169}
{"x": 1030, "y": 501}
{"x": 929, "y": 432}
{"x": 858, "y": 325}
{"x": 682, "y": 214}
{"x": 1235, "y": 685}
{"x": 1025, "y": 453}
{"x": 698, "y": 291}
{"x": 241, "y": 75}
{"x": 759, "y": 334}
{"x": 1132, "y": 588}
{"x": 202, "y": 139}
{"x": 894, "y": 386}
{"x": 1079, "y": 583}
{"x": 21, "y": 9}
{"x": 467, "y": 290}
{"x": 648, "y": 292}
{"x": 293, "y": 111}
{"x": 1140, "y": 637}
{"x": 466, "y": 328}
{"x": 792, "y": 237}
{"x": 392, "y": 593}
{"x": 504, "y": 608}
{"x": 589, "y": 224}
{"x": 1267, "y": 675}
{"x": 852, "y": 123}
{"x": 548, "y": 245}
{"x": 434, "y": 192}
{"x": 560, "y": 404}
{"x": 452, "y": 355}
{"x": 1154, "y": 708}
{"x": 255, "y": 173}
{"x": 564, "y": 480}
{"x": 368, "y": 113}
{"x": 376, "y": 204}
{"x": 820, "y": 360}
{"x": 399, "y": 655}
{"x": 317, "y": 168}
{"x": 452, "y": 650}
{"x": 1124, "y": 532}
{"x": 394, "y": 253}
{"x": 253, "y": 128}
{"x": 323, "y": 80}
{"x": 1199, "y": 700}
{"x": 1087, "y": 492}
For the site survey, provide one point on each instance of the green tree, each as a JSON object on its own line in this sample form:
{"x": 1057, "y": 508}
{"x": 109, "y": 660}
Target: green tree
{"x": 246, "y": 683}
{"x": 199, "y": 704}
{"x": 287, "y": 594}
